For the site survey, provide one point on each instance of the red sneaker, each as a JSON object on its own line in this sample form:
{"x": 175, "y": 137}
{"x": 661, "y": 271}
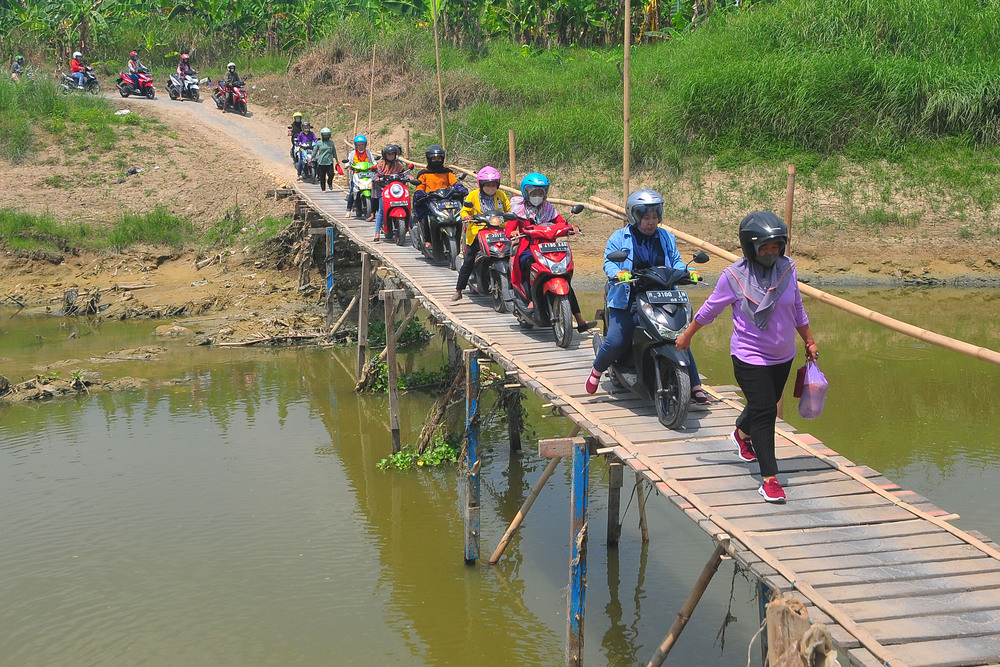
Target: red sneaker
{"x": 772, "y": 492}
{"x": 744, "y": 448}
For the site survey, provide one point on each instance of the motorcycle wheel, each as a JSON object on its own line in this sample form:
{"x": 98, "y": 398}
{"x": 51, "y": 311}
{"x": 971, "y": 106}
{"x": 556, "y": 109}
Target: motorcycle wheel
{"x": 415, "y": 236}
{"x": 243, "y": 108}
{"x": 496, "y": 291}
{"x": 523, "y": 323}
{"x": 400, "y": 231}
{"x": 673, "y": 394}
{"x": 151, "y": 93}
{"x": 94, "y": 88}
{"x": 562, "y": 319}
{"x": 366, "y": 207}
{"x": 172, "y": 93}
{"x": 123, "y": 91}
{"x": 195, "y": 95}
{"x": 455, "y": 258}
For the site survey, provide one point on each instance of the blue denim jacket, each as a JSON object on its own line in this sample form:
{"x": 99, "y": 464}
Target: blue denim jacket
{"x": 618, "y": 293}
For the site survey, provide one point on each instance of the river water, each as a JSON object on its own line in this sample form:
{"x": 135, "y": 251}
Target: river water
{"x": 238, "y": 517}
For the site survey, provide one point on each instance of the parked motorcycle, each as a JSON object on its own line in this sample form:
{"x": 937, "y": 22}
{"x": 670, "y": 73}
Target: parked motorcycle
{"x": 548, "y": 285}
{"x": 443, "y": 228}
{"x": 305, "y": 152}
{"x": 90, "y": 82}
{"x": 397, "y": 207}
{"x": 190, "y": 89}
{"x": 144, "y": 87}
{"x": 491, "y": 271}
{"x": 656, "y": 370}
{"x": 362, "y": 176}
{"x": 220, "y": 95}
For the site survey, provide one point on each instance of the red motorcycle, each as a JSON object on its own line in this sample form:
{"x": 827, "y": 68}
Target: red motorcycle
{"x": 548, "y": 280}
{"x": 396, "y": 205}
{"x": 239, "y": 93}
{"x": 145, "y": 85}
{"x": 491, "y": 271}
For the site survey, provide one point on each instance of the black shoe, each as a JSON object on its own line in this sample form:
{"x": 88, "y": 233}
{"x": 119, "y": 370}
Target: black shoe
{"x": 586, "y": 326}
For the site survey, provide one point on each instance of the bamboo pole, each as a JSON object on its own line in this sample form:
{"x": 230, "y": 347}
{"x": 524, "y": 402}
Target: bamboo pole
{"x": 389, "y": 297}
{"x": 407, "y": 153}
{"x": 438, "y": 414}
{"x": 968, "y": 349}
{"x": 355, "y": 126}
{"x": 371, "y": 94}
{"x": 640, "y": 492}
{"x": 626, "y": 121}
{"x": 528, "y": 502}
{"x": 437, "y": 59}
{"x": 363, "y": 300}
{"x": 685, "y": 613}
{"x": 510, "y": 153}
{"x": 366, "y": 376}
{"x": 790, "y": 201}
{"x": 343, "y": 317}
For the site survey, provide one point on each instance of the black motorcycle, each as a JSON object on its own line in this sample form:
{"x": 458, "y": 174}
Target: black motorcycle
{"x": 437, "y": 237}
{"x": 656, "y": 370}
{"x": 90, "y": 83}
{"x": 491, "y": 271}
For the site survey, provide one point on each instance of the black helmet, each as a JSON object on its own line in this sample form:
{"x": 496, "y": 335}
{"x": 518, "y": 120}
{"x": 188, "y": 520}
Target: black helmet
{"x": 391, "y": 148}
{"x": 435, "y": 153}
{"x": 760, "y": 227}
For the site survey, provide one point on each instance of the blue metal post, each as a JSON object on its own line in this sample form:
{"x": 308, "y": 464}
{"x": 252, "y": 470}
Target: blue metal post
{"x": 578, "y": 553}
{"x": 472, "y": 441}
{"x": 329, "y": 277}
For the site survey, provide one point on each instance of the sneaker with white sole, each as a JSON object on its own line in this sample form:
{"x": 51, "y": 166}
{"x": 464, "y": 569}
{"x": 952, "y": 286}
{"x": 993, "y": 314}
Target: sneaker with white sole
{"x": 744, "y": 448}
{"x": 771, "y": 491}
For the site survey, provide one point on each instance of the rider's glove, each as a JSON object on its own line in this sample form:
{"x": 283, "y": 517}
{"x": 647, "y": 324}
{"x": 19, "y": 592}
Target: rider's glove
{"x": 695, "y": 276}
{"x": 624, "y": 276}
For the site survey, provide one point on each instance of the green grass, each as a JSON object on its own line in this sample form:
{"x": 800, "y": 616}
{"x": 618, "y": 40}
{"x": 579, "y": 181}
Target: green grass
{"x": 23, "y": 231}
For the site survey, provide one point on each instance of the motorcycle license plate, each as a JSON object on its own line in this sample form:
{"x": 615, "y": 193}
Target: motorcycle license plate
{"x": 559, "y": 246}
{"x": 667, "y": 296}
{"x": 495, "y": 238}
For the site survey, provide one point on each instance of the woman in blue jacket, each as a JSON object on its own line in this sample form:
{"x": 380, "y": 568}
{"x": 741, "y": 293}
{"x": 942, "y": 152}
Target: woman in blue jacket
{"x": 648, "y": 245}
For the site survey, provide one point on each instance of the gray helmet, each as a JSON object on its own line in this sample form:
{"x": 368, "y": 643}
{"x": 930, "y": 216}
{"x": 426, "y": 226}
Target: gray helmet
{"x": 640, "y": 202}
{"x": 760, "y": 227}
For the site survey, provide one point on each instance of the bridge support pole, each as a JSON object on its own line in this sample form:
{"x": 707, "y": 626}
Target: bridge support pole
{"x": 693, "y": 599}
{"x": 514, "y": 420}
{"x": 330, "y": 301}
{"x": 389, "y": 296}
{"x": 472, "y": 491}
{"x": 763, "y": 598}
{"x": 640, "y": 492}
{"x": 454, "y": 351}
{"x": 578, "y": 553}
{"x": 615, "y": 481}
{"x": 366, "y": 281}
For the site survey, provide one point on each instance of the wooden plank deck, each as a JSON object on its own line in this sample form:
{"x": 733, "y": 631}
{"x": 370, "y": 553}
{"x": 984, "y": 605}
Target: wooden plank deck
{"x": 895, "y": 582}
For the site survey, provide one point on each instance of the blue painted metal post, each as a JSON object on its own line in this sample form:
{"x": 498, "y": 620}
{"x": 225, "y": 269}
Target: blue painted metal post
{"x": 472, "y": 442}
{"x": 578, "y": 553}
{"x": 329, "y": 278}
{"x": 763, "y": 597}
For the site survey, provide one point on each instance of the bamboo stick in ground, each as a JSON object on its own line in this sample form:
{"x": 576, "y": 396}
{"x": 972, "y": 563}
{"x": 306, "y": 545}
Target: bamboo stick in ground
{"x": 366, "y": 375}
{"x": 431, "y": 427}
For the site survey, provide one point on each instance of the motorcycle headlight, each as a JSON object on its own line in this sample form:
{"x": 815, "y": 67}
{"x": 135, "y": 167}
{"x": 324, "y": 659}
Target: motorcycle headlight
{"x": 661, "y": 321}
{"x": 396, "y": 190}
{"x": 556, "y": 267}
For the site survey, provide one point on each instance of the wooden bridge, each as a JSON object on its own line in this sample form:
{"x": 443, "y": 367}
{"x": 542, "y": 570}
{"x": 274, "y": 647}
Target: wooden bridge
{"x": 881, "y": 567}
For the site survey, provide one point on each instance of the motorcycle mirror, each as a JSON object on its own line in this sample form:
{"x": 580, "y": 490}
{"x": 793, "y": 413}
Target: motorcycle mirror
{"x": 377, "y": 157}
{"x": 576, "y": 209}
{"x": 700, "y": 257}
{"x": 344, "y": 160}
{"x": 462, "y": 177}
{"x": 469, "y": 204}
{"x": 617, "y": 256}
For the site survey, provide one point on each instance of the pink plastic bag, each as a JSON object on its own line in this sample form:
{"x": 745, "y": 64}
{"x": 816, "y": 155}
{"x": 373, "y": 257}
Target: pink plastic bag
{"x": 813, "y": 392}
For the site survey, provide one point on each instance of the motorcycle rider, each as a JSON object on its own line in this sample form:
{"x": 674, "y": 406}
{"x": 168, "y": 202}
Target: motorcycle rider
{"x": 305, "y": 138}
{"x": 489, "y": 197}
{"x": 388, "y": 165}
{"x": 648, "y": 245}
{"x": 232, "y": 79}
{"x": 434, "y": 177}
{"x": 293, "y": 131}
{"x": 359, "y": 154}
{"x": 532, "y": 208}
{"x": 76, "y": 68}
{"x": 135, "y": 67}
{"x": 17, "y": 69}
{"x": 326, "y": 157}
{"x": 184, "y": 69}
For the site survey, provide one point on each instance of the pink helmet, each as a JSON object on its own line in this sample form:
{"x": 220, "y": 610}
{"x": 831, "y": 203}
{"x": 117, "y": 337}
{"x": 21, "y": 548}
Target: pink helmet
{"x": 487, "y": 174}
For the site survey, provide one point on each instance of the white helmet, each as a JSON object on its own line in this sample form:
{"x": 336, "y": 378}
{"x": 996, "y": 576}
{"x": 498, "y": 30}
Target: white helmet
{"x": 231, "y": 66}
{"x": 77, "y": 54}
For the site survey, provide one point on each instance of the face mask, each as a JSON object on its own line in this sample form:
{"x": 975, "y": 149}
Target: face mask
{"x": 536, "y": 200}
{"x": 767, "y": 261}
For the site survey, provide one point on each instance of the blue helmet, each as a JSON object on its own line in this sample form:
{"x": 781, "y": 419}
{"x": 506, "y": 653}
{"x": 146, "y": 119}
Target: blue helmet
{"x": 361, "y": 139}
{"x": 533, "y": 182}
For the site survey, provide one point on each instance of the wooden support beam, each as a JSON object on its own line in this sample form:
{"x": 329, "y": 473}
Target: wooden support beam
{"x": 685, "y": 613}
{"x": 454, "y": 351}
{"x": 471, "y": 358}
{"x": 366, "y": 280}
{"x": 578, "y": 554}
{"x": 343, "y": 316}
{"x": 640, "y": 492}
{"x": 330, "y": 300}
{"x": 390, "y": 296}
{"x": 528, "y": 502}
{"x": 615, "y": 481}
{"x": 563, "y": 447}
{"x": 514, "y": 422}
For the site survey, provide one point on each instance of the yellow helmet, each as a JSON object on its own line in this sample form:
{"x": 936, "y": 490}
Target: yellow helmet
{"x": 297, "y": 114}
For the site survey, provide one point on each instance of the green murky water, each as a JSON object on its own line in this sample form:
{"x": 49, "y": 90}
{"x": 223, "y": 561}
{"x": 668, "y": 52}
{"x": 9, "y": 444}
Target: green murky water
{"x": 238, "y": 518}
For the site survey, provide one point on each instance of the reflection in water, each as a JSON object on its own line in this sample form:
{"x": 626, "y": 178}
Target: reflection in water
{"x": 238, "y": 517}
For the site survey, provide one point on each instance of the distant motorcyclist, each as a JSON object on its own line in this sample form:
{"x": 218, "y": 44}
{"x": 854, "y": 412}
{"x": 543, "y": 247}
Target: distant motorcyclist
{"x": 185, "y": 70}
{"x": 135, "y": 67}
{"x": 76, "y": 68}
{"x": 326, "y": 158}
{"x": 359, "y": 154}
{"x": 232, "y": 79}
{"x": 434, "y": 177}
{"x": 294, "y": 129}
{"x": 389, "y": 164}
{"x": 306, "y": 139}
{"x": 17, "y": 69}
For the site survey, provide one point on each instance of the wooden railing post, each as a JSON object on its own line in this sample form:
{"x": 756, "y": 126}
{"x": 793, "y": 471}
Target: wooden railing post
{"x": 640, "y": 492}
{"x": 472, "y": 498}
{"x": 366, "y": 279}
{"x": 390, "y": 361}
{"x": 615, "y": 481}
{"x": 510, "y": 151}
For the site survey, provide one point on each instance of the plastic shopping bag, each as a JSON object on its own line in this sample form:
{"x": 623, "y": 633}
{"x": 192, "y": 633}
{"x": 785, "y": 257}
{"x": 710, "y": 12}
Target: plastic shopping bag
{"x": 814, "y": 388}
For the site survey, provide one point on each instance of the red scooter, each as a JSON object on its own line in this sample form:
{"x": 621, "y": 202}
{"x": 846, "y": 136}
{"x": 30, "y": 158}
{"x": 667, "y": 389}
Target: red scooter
{"x": 548, "y": 281}
{"x": 491, "y": 272}
{"x": 143, "y": 87}
{"x": 397, "y": 206}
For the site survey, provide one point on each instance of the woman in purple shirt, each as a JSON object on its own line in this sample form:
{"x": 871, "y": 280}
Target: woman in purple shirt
{"x": 763, "y": 290}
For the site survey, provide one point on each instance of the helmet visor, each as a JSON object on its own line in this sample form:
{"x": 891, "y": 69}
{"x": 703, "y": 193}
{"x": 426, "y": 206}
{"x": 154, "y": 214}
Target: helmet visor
{"x": 640, "y": 210}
